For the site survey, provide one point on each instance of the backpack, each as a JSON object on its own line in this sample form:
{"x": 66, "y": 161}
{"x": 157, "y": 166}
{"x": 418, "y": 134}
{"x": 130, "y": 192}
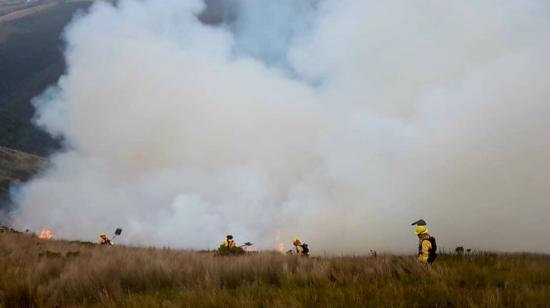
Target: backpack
{"x": 432, "y": 253}
{"x": 306, "y": 249}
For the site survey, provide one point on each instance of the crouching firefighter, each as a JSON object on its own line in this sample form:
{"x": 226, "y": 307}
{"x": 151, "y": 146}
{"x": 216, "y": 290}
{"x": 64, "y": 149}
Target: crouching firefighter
{"x": 104, "y": 240}
{"x": 229, "y": 247}
{"x": 427, "y": 246}
{"x": 229, "y": 242}
{"x": 302, "y": 249}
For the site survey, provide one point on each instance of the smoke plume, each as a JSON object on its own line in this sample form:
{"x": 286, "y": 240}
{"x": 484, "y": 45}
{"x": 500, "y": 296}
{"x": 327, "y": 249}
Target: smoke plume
{"x": 335, "y": 121}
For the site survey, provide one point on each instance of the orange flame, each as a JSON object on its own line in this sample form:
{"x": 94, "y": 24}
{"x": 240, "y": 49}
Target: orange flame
{"x": 279, "y": 245}
{"x": 46, "y": 234}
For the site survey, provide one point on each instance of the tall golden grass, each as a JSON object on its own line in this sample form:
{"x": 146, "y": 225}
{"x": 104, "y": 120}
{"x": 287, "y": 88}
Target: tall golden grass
{"x": 35, "y": 273}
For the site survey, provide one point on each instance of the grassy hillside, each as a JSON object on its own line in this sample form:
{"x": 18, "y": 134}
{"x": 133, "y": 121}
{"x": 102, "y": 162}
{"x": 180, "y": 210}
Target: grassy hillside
{"x": 16, "y": 166}
{"x": 58, "y": 273}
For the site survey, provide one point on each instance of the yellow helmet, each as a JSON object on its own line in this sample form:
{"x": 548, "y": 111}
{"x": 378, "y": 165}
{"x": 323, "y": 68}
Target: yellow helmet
{"x": 421, "y": 230}
{"x": 103, "y": 234}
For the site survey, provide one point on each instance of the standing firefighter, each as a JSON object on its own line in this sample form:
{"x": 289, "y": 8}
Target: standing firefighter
{"x": 302, "y": 249}
{"x": 104, "y": 240}
{"x": 427, "y": 247}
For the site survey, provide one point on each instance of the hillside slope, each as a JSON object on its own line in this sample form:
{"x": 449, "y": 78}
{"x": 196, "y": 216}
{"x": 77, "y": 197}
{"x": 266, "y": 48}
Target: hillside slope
{"x": 16, "y": 166}
{"x": 31, "y": 59}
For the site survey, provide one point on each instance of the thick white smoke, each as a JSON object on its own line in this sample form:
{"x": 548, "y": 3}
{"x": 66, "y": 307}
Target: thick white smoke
{"x": 335, "y": 121}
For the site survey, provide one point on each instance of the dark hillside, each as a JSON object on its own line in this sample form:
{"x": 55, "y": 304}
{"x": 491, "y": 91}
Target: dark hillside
{"x": 31, "y": 59}
{"x": 16, "y": 166}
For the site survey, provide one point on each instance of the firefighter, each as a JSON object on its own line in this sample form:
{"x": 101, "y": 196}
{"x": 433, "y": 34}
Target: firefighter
{"x": 229, "y": 242}
{"x": 104, "y": 240}
{"x": 302, "y": 249}
{"x": 229, "y": 247}
{"x": 427, "y": 247}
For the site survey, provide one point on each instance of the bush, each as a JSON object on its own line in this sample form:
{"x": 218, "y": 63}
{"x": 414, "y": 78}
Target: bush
{"x": 226, "y": 251}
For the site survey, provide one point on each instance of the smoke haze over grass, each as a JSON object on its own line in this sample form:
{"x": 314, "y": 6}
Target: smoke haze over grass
{"x": 338, "y": 122}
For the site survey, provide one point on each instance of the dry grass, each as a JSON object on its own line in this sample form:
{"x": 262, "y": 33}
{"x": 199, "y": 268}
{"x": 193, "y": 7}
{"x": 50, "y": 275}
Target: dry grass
{"x": 58, "y": 273}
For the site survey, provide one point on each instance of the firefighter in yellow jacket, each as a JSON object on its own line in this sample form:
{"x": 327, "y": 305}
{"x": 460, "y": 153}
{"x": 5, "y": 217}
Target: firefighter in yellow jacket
{"x": 302, "y": 249}
{"x": 427, "y": 247}
{"x": 424, "y": 244}
{"x": 104, "y": 240}
{"x": 229, "y": 242}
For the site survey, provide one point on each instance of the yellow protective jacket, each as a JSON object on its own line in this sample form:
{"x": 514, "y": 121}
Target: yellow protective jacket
{"x": 424, "y": 247}
{"x": 104, "y": 241}
{"x": 229, "y": 243}
{"x": 299, "y": 249}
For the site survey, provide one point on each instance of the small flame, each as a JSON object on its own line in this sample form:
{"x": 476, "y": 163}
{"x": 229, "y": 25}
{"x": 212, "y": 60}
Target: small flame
{"x": 279, "y": 245}
{"x": 45, "y": 234}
